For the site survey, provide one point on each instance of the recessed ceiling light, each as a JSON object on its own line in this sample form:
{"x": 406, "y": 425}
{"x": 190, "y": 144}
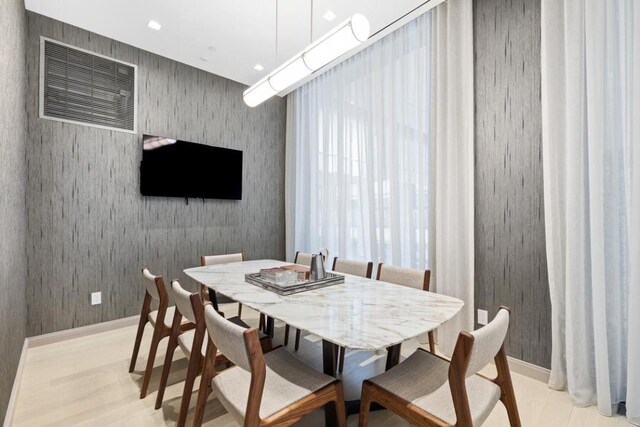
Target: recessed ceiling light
{"x": 329, "y": 16}
{"x": 154, "y": 25}
{"x": 204, "y": 59}
{"x": 258, "y": 67}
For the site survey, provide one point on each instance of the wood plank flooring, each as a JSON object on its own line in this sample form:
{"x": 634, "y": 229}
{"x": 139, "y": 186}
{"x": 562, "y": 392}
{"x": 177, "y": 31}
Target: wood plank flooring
{"x": 84, "y": 382}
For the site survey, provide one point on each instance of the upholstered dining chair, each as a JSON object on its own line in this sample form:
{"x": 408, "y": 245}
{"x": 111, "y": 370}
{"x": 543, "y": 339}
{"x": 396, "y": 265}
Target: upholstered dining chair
{"x": 191, "y": 307}
{"x": 355, "y": 268}
{"x": 302, "y": 258}
{"x": 219, "y": 259}
{"x": 428, "y": 390}
{"x": 410, "y": 277}
{"x": 155, "y": 291}
{"x": 272, "y": 389}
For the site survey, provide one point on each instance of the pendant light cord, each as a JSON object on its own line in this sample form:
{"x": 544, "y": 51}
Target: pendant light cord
{"x": 311, "y": 24}
{"x": 276, "y": 64}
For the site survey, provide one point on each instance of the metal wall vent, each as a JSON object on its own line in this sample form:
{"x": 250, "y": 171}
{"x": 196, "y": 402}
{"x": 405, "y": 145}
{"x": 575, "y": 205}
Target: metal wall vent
{"x": 78, "y": 86}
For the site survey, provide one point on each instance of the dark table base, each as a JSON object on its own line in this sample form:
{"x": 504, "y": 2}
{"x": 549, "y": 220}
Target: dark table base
{"x": 329, "y": 358}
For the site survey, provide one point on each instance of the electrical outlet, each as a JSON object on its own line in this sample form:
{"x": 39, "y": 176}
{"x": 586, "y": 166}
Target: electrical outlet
{"x": 483, "y": 317}
{"x": 96, "y": 298}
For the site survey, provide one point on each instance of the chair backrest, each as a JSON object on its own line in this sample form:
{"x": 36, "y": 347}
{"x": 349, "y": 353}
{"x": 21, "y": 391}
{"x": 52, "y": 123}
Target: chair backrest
{"x": 221, "y": 259}
{"x": 228, "y": 338}
{"x": 487, "y": 342}
{"x": 356, "y": 268}
{"x": 182, "y": 299}
{"x": 152, "y": 284}
{"x": 410, "y": 277}
{"x": 304, "y": 258}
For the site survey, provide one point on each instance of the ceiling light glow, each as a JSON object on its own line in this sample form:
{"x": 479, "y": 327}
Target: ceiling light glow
{"x": 329, "y": 16}
{"x": 258, "y": 67}
{"x": 154, "y": 25}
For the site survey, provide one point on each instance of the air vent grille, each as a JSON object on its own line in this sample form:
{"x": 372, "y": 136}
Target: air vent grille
{"x": 81, "y": 87}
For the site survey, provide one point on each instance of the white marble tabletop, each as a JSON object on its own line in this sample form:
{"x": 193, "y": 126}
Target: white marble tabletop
{"x": 358, "y": 314}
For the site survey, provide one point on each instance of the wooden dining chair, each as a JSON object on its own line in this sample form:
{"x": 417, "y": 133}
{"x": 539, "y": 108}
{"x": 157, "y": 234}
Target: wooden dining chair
{"x": 427, "y": 390}
{"x": 192, "y": 343}
{"x": 190, "y": 307}
{"x": 302, "y": 258}
{"x": 355, "y": 268}
{"x": 219, "y": 259}
{"x": 272, "y": 389}
{"x": 410, "y": 277}
{"x": 155, "y": 291}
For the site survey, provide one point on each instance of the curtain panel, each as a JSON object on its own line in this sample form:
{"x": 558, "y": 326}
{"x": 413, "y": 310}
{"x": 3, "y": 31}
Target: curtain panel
{"x": 591, "y": 157}
{"x": 380, "y": 156}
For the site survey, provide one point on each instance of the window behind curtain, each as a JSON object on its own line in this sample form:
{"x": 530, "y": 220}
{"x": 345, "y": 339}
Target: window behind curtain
{"x": 362, "y": 153}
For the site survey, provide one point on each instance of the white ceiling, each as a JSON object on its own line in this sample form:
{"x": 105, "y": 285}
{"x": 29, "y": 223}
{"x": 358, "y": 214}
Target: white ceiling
{"x": 223, "y": 37}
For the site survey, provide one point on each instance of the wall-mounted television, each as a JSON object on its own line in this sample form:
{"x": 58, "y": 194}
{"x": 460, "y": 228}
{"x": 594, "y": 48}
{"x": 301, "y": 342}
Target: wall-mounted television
{"x": 175, "y": 168}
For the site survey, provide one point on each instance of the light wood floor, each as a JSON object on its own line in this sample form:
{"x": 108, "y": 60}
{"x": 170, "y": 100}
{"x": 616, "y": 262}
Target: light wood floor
{"x": 84, "y": 382}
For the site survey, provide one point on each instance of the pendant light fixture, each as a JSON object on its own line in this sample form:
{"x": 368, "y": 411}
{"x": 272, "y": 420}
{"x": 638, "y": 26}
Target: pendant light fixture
{"x": 335, "y": 43}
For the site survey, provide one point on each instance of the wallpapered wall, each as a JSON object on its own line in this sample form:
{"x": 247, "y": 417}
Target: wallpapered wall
{"x": 89, "y": 229}
{"x": 13, "y": 136}
{"x": 510, "y": 250}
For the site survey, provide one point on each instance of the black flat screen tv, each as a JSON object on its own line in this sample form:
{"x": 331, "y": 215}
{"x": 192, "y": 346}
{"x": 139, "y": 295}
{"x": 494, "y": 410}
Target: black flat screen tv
{"x": 175, "y": 168}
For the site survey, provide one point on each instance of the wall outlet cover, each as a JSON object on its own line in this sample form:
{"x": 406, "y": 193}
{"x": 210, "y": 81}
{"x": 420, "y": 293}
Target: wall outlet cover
{"x": 96, "y": 298}
{"x": 483, "y": 317}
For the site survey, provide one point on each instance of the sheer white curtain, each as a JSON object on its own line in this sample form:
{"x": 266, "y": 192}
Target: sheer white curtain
{"x": 591, "y": 148}
{"x": 380, "y": 155}
{"x": 361, "y": 153}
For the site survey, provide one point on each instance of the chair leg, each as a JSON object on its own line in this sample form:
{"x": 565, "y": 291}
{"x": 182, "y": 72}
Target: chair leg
{"x": 157, "y": 336}
{"x": 239, "y": 309}
{"x": 203, "y": 394}
{"x": 365, "y": 404}
{"x": 261, "y": 324}
{"x": 136, "y": 346}
{"x": 341, "y": 410}
{"x": 432, "y": 343}
{"x": 286, "y": 335}
{"x": 297, "y": 339}
{"x": 341, "y": 359}
{"x": 168, "y": 360}
{"x": 195, "y": 365}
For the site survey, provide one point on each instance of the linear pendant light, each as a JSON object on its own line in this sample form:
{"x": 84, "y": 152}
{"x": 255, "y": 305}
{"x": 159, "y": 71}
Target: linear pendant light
{"x": 335, "y": 43}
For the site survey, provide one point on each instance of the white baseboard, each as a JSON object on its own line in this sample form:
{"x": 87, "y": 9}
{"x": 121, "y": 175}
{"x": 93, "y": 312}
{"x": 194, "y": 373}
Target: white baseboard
{"x": 8, "y": 417}
{"x": 529, "y": 370}
{"x": 55, "y": 337}
{"x": 82, "y": 331}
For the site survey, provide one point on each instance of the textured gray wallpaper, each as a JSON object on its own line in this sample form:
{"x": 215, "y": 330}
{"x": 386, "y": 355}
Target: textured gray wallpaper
{"x": 89, "y": 227}
{"x": 13, "y": 140}
{"x": 510, "y": 265}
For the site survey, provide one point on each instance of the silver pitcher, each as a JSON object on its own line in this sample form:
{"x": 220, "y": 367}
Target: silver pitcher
{"x": 318, "y": 272}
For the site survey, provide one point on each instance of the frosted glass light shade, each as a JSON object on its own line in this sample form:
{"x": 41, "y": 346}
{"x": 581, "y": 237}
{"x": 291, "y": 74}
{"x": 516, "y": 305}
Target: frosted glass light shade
{"x": 335, "y": 43}
{"x": 338, "y": 41}
{"x": 258, "y": 93}
{"x": 289, "y": 73}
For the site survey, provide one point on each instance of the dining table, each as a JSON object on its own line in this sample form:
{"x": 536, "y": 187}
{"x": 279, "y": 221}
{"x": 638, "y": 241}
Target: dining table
{"x": 360, "y": 314}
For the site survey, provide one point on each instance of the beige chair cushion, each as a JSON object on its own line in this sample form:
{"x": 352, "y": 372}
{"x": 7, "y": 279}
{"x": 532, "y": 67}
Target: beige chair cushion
{"x": 168, "y": 317}
{"x": 222, "y": 259}
{"x": 287, "y": 381}
{"x": 149, "y": 281}
{"x": 303, "y": 258}
{"x": 185, "y": 341}
{"x": 182, "y": 299}
{"x": 422, "y": 379}
{"x": 356, "y": 268}
{"x": 487, "y": 342}
{"x": 409, "y": 277}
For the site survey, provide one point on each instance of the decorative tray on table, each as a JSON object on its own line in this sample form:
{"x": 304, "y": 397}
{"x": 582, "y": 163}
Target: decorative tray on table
{"x": 266, "y": 280}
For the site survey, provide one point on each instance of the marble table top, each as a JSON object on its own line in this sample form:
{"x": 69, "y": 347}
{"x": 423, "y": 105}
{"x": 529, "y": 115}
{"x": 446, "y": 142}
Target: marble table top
{"x": 361, "y": 313}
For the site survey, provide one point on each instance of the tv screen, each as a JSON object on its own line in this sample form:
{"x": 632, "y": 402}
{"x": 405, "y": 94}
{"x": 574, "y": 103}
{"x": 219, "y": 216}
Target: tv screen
{"x": 175, "y": 168}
